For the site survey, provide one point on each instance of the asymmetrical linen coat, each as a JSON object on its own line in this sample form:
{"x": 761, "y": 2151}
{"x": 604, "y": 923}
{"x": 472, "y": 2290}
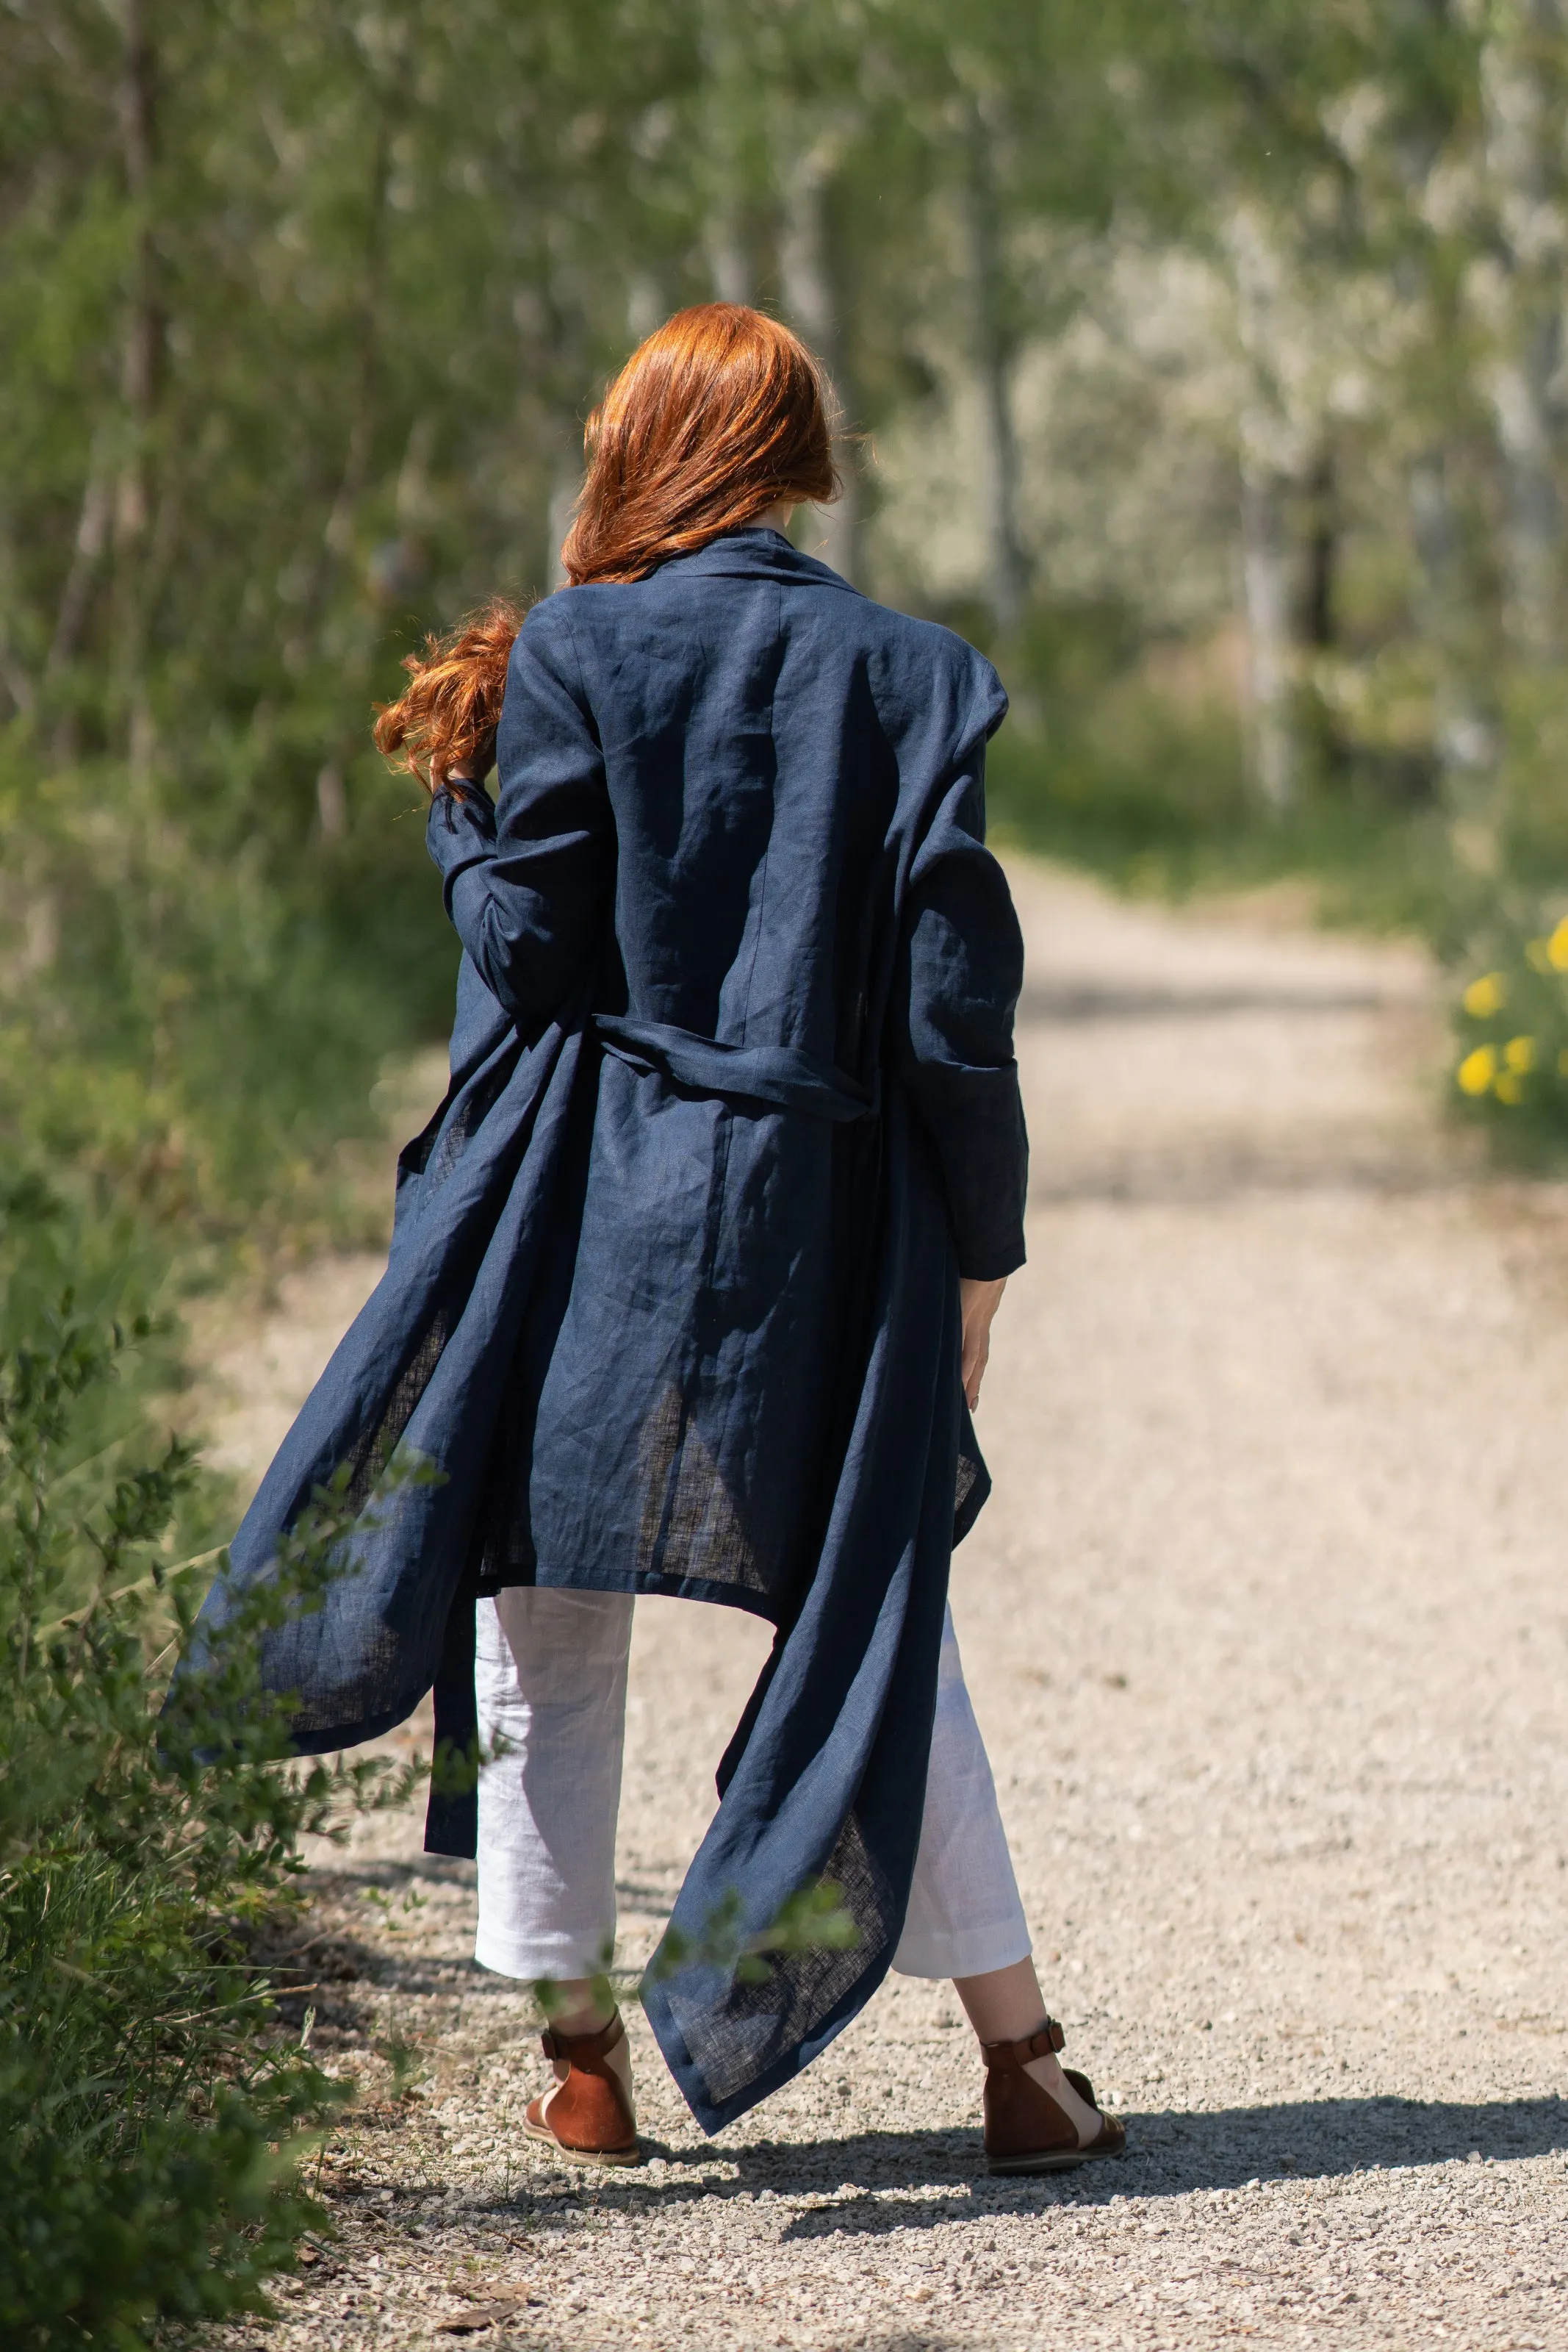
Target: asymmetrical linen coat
{"x": 672, "y": 1302}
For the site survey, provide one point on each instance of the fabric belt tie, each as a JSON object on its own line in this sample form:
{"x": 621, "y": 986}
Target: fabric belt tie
{"x": 781, "y": 1076}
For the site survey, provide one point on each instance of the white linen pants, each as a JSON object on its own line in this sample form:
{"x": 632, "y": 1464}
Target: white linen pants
{"x": 550, "y": 1679}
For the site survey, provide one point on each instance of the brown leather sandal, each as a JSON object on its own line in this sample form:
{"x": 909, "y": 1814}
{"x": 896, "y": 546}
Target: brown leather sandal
{"x": 587, "y": 2117}
{"x": 1026, "y": 2131}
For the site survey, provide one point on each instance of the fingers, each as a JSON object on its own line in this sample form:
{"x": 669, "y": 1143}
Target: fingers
{"x": 979, "y": 1302}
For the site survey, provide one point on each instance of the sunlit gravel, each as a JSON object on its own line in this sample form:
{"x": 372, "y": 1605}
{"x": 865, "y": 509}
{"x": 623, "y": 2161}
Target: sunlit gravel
{"x": 1267, "y": 1626}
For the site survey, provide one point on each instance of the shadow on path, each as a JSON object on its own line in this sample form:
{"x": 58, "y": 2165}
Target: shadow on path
{"x": 1170, "y": 2155}
{"x": 1209, "y": 1175}
{"x": 1050, "y": 1001}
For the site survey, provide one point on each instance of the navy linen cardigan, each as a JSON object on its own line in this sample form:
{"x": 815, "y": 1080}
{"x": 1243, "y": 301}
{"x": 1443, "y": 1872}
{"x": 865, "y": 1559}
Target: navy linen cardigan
{"x": 672, "y": 1299}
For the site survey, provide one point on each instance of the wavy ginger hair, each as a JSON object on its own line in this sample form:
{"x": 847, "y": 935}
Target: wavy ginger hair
{"x": 721, "y": 413}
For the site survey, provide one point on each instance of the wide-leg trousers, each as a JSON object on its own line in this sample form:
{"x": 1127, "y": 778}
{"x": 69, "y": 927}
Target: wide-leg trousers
{"x": 550, "y": 1678}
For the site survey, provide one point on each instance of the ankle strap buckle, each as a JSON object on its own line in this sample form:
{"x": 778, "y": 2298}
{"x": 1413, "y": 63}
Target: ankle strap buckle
{"x": 1048, "y": 2038}
{"x": 583, "y": 2050}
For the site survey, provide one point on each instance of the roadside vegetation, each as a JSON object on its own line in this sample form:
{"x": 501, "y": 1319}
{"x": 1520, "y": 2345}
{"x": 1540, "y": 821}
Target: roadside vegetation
{"x": 155, "y": 2108}
{"x": 1204, "y": 365}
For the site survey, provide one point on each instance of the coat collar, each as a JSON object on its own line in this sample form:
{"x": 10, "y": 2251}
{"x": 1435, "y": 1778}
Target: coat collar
{"x": 755, "y": 554}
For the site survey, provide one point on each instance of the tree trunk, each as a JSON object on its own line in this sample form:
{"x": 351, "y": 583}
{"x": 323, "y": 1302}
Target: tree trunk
{"x": 1007, "y": 568}
{"x": 1523, "y": 135}
{"x": 1453, "y": 584}
{"x": 727, "y": 82}
{"x": 87, "y": 553}
{"x": 141, "y": 362}
{"x": 1464, "y": 736}
{"x": 728, "y": 264}
{"x": 1318, "y": 620}
{"x": 1265, "y": 571}
{"x": 15, "y": 681}
{"x": 563, "y": 495}
{"x": 805, "y": 275}
{"x": 337, "y": 532}
{"x": 1269, "y": 483}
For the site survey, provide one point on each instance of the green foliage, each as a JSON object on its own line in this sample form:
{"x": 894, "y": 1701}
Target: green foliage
{"x": 1106, "y": 765}
{"x": 116, "y": 1270}
{"x": 813, "y": 1919}
{"x": 1096, "y": 761}
{"x": 154, "y": 2112}
{"x": 1511, "y": 1070}
{"x": 290, "y": 370}
{"x": 199, "y": 1021}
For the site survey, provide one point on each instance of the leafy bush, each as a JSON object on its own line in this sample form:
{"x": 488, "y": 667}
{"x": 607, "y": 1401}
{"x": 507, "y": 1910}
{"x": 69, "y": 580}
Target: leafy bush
{"x": 192, "y": 1015}
{"x": 152, "y": 2106}
{"x": 1097, "y": 763}
{"x": 1511, "y": 1062}
{"x": 1138, "y": 771}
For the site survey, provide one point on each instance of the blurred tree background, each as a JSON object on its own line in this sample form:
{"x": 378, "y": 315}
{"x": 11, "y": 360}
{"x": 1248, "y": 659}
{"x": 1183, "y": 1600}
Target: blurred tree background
{"x": 1203, "y": 360}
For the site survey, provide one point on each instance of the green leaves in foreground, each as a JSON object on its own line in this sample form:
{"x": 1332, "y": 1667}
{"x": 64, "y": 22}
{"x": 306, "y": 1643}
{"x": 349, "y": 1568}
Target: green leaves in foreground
{"x": 813, "y": 1919}
{"x": 152, "y": 2106}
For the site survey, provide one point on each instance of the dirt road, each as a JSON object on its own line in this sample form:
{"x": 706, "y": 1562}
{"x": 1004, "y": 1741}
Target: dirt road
{"x": 1267, "y": 1627}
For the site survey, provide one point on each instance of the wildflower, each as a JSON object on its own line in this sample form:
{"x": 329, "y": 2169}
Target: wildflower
{"x": 1519, "y": 1054}
{"x": 1476, "y": 1071}
{"x": 1509, "y": 1088}
{"x": 1557, "y": 947}
{"x": 1488, "y": 994}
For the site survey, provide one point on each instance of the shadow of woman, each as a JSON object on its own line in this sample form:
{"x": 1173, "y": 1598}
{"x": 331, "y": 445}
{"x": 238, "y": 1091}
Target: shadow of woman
{"x": 1170, "y": 2154}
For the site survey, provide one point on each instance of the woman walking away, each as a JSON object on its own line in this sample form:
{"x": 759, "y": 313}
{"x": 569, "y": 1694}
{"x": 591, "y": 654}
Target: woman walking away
{"x": 694, "y": 1271}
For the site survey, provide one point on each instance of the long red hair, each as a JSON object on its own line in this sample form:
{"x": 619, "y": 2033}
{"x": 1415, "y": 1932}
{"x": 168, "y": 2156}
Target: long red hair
{"x": 721, "y": 413}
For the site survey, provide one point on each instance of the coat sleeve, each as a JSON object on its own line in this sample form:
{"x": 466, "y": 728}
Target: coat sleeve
{"x": 962, "y": 969}
{"x": 528, "y": 883}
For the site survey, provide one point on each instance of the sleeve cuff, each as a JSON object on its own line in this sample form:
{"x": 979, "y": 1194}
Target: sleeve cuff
{"x": 459, "y": 825}
{"x": 993, "y": 1264}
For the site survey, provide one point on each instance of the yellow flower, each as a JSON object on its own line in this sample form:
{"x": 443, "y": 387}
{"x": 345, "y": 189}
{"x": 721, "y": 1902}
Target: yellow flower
{"x": 1487, "y": 995}
{"x": 1519, "y": 1055}
{"x": 1476, "y": 1071}
{"x": 1510, "y": 1089}
{"x": 1557, "y": 947}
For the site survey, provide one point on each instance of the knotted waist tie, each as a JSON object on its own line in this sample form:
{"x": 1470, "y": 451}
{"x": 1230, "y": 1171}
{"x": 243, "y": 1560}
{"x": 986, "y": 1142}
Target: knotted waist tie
{"x": 781, "y": 1076}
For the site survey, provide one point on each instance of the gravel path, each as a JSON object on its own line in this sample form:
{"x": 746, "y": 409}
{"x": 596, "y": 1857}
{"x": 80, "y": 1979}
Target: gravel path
{"x": 1267, "y": 1627}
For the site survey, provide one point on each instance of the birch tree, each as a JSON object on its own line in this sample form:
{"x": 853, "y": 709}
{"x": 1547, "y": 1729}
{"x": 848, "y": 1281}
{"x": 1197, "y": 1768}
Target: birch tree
{"x": 1518, "y": 287}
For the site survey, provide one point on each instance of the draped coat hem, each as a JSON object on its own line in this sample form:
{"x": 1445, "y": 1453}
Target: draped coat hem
{"x": 626, "y": 1314}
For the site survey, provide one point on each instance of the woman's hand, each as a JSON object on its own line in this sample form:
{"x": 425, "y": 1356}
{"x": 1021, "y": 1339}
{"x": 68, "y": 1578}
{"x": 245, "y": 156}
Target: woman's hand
{"x": 465, "y": 771}
{"x": 980, "y": 1301}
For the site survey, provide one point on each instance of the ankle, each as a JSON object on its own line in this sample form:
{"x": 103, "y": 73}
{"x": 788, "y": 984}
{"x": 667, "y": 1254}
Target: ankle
{"x": 1003, "y": 2004}
{"x": 575, "y": 2009}
{"x": 1031, "y": 2032}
